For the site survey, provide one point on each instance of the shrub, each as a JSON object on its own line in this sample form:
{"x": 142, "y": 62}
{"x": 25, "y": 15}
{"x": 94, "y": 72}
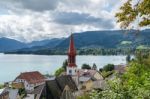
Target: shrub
{"x": 86, "y": 66}
{"x": 108, "y": 67}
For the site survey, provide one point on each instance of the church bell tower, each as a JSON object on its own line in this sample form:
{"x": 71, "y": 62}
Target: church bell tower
{"x": 72, "y": 68}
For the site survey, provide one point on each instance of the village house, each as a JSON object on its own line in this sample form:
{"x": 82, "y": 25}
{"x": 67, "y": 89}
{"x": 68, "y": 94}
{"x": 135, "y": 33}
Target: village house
{"x": 28, "y": 80}
{"x": 4, "y": 94}
{"x": 88, "y": 78}
{"x": 8, "y": 93}
{"x": 62, "y": 87}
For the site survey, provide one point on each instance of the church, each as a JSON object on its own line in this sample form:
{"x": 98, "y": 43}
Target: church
{"x": 84, "y": 79}
{"x": 72, "y": 67}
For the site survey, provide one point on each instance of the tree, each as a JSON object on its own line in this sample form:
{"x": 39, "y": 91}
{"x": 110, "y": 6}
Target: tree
{"x": 134, "y": 84}
{"x": 65, "y": 64}
{"x": 94, "y": 66}
{"x": 128, "y": 58}
{"x": 1, "y": 86}
{"x": 59, "y": 71}
{"x": 129, "y": 13}
{"x": 108, "y": 67}
{"x": 100, "y": 69}
{"x": 62, "y": 69}
{"x": 86, "y": 66}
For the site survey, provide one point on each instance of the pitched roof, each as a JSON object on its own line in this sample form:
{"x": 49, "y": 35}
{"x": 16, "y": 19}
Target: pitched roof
{"x": 86, "y": 72}
{"x": 55, "y": 88}
{"x": 84, "y": 79}
{"x": 32, "y": 77}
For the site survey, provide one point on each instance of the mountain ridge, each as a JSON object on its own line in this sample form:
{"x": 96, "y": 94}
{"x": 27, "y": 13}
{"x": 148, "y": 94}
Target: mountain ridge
{"x": 93, "y": 39}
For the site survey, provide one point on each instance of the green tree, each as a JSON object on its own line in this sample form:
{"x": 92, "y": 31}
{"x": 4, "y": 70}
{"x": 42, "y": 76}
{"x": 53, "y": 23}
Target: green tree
{"x": 128, "y": 58}
{"x": 62, "y": 69}
{"x": 59, "y": 71}
{"x": 86, "y": 66}
{"x": 1, "y": 86}
{"x": 134, "y": 84}
{"x": 65, "y": 64}
{"x": 94, "y": 66}
{"x": 108, "y": 67}
{"x": 130, "y": 12}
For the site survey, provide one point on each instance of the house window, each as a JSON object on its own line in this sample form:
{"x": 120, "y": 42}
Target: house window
{"x": 70, "y": 71}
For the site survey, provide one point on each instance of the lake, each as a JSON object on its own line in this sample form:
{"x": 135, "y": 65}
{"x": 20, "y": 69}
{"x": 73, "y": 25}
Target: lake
{"x": 13, "y": 65}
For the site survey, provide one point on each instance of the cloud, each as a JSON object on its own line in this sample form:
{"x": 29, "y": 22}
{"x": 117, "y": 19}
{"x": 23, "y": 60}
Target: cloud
{"x": 73, "y": 18}
{"x": 29, "y": 20}
{"x": 35, "y": 5}
{"x": 39, "y": 5}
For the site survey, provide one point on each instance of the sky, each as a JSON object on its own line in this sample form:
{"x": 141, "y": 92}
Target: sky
{"x": 30, "y": 20}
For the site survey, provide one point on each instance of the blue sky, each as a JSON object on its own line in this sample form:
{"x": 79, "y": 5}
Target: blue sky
{"x": 28, "y": 20}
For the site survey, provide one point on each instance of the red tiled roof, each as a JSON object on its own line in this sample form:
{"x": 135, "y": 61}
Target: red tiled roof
{"x": 32, "y": 77}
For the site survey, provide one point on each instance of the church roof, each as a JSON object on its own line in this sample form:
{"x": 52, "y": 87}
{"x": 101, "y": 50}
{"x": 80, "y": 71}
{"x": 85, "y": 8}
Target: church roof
{"x": 55, "y": 88}
{"x": 71, "y": 50}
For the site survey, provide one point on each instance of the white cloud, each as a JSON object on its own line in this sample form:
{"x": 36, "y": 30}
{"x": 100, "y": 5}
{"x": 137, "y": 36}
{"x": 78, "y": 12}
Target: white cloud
{"x": 29, "y": 20}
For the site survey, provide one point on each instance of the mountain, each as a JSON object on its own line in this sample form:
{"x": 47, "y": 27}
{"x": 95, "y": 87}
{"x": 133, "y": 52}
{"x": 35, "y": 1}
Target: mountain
{"x": 114, "y": 39}
{"x": 43, "y": 44}
{"x": 109, "y": 39}
{"x": 7, "y": 44}
{"x": 38, "y": 43}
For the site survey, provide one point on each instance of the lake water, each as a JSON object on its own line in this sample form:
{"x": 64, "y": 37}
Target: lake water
{"x": 13, "y": 65}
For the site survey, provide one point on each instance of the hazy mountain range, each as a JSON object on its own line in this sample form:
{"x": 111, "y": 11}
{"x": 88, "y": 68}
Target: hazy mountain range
{"x": 89, "y": 39}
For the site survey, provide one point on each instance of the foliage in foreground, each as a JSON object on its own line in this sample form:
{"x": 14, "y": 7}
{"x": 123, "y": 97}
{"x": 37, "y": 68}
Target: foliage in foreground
{"x": 134, "y": 84}
{"x": 1, "y": 86}
{"x": 134, "y": 10}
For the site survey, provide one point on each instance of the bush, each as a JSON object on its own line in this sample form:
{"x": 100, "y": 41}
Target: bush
{"x": 1, "y": 86}
{"x": 133, "y": 84}
{"x": 108, "y": 67}
{"x": 59, "y": 71}
{"x": 86, "y": 66}
{"x": 84, "y": 96}
{"x": 94, "y": 66}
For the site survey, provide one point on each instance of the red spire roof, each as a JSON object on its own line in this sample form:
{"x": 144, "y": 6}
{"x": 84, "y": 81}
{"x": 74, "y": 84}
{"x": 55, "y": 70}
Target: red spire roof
{"x": 71, "y": 53}
{"x": 72, "y": 50}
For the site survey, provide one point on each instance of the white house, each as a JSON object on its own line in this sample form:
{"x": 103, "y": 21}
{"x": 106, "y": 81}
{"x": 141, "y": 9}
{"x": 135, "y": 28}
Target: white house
{"x": 29, "y": 80}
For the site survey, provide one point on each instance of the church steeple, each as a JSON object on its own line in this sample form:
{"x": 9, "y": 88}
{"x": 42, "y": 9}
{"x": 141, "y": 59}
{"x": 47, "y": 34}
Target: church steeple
{"x": 71, "y": 53}
{"x": 71, "y": 68}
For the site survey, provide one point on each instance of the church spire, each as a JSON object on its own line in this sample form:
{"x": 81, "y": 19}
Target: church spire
{"x": 72, "y": 50}
{"x": 71, "y": 53}
{"x": 72, "y": 67}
